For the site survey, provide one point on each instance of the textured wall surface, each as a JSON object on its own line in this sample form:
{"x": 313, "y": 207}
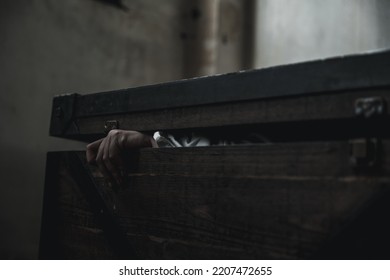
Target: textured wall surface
{"x": 297, "y": 30}
{"x": 53, "y": 47}
{"x": 50, "y": 47}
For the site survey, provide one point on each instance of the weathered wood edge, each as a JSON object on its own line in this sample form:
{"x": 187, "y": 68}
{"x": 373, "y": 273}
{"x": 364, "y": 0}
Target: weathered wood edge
{"x": 329, "y": 75}
{"x": 333, "y": 74}
{"x": 324, "y": 107}
{"x": 49, "y": 214}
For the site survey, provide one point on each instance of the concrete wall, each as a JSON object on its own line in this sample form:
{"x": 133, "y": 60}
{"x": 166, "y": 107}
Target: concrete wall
{"x": 297, "y": 30}
{"x": 236, "y": 35}
{"x": 52, "y": 47}
{"x": 217, "y": 35}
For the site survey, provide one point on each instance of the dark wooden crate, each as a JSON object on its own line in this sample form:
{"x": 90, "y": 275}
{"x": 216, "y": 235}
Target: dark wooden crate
{"x": 279, "y": 201}
{"x": 320, "y": 189}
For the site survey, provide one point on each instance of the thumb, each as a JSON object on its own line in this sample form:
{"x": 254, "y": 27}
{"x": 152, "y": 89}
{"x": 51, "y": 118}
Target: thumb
{"x": 92, "y": 149}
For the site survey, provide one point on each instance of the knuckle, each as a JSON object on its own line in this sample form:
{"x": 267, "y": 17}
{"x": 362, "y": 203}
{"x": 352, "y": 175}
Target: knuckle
{"x": 113, "y": 132}
{"x": 121, "y": 140}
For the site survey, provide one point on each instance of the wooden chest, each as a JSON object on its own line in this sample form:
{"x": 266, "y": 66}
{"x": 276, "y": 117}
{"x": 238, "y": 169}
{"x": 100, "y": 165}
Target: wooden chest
{"x": 319, "y": 189}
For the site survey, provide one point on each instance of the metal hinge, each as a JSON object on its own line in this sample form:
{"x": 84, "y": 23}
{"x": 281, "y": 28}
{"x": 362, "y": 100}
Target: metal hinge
{"x": 364, "y": 153}
{"x": 62, "y": 119}
{"x": 110, "y": 125}
{"x": 368, "y": 107}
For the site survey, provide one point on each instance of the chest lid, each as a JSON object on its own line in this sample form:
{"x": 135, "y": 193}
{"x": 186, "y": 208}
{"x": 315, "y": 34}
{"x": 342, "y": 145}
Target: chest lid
{"x": 353, "y": 87}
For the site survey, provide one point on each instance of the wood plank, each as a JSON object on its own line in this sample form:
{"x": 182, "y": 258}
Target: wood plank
{"x": 272, "y": 112}
{"x": 326, "y": 75}
{"x": 331, "y": 87}
{"x": 282, "y": 201}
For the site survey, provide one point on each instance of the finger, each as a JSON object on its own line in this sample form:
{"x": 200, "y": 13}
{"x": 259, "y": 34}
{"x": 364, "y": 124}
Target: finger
{"x": 100, "y": 161}
{"x": 112, "y": 159}
{"x": 147, "y": 141}
{"x": 117, "y": 154}
{"x": 92, "y": 149}
{"x": 153, "y": 142}
{"x": 134, "y": 140}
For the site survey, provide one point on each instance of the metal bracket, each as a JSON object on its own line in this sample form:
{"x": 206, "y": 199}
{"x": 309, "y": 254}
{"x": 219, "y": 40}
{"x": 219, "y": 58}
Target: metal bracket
{"x": 368, "y": 107}
{"x": 364, "y": 153}
{"x": 110, "y": 125}
{"x": 62, "y": 119}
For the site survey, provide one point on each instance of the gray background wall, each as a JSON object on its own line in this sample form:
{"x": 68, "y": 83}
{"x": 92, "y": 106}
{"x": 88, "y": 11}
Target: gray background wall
{"x": 50, "y": 47}
{"x": 295, "y": 30}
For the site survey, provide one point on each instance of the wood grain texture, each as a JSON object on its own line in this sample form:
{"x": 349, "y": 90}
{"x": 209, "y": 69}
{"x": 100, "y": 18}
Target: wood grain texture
{"x": 361, "y": 71}
{"x": 328, "y": 107}
{"x": 280, "y": 201}
{"x": 315, "y": 90}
